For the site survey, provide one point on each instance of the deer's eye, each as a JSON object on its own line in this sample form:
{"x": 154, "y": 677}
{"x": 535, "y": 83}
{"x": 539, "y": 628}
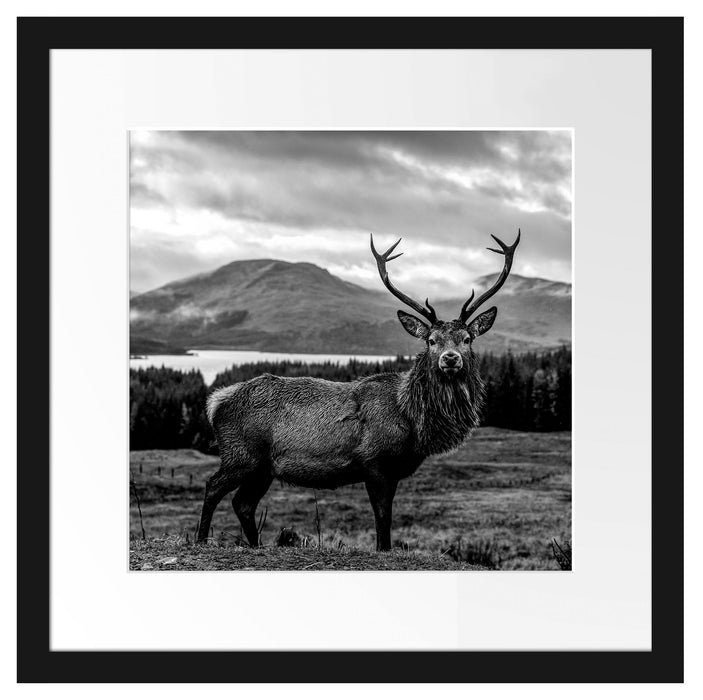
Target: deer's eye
{"x": 432, "y": 341}
{"x": 467, "y": 340}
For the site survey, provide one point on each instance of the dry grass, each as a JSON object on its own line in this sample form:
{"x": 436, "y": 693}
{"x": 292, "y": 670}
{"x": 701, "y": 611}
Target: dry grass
{"x": 177, "y": 554}
{"x": 496, "y": 503}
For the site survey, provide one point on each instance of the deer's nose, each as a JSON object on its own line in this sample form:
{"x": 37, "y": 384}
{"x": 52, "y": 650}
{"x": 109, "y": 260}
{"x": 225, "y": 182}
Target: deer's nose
{"x": 450, "y": 359}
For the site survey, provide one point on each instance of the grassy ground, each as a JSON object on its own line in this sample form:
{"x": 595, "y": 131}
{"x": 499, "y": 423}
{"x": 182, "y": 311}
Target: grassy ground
{"x": 175, "y": 554}
{"x": 496, "y": 503}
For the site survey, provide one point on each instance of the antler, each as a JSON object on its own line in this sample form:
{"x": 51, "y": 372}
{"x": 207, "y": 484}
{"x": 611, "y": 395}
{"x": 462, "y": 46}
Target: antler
{"x": 508, "y": 251}
{"x": 381, "y": 260}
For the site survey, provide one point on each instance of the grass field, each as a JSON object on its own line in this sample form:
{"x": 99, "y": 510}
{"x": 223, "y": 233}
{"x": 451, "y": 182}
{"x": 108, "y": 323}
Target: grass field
{"x": 175, "y": 554}
{"x": 496, "y": 503}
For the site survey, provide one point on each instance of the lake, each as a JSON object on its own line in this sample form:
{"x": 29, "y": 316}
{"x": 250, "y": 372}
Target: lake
{"x": 212, "y": 362}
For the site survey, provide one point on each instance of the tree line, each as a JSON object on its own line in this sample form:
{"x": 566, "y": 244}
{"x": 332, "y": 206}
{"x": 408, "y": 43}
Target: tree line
{"x": 529, "y": 391}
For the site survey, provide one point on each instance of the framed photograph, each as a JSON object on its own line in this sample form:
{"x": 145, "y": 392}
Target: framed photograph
{"x": 270, "y": 438}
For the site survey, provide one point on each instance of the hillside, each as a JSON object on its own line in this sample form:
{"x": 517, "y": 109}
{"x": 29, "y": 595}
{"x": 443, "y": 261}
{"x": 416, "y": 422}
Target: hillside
{"x": 531, "y": 311}
{"x": 300, "y": 307}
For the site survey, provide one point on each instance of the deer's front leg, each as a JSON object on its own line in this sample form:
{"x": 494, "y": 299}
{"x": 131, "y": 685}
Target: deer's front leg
{"x": 381, "y": 492}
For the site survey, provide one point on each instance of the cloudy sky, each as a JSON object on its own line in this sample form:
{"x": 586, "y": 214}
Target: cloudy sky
{"x": 199, "y": 200}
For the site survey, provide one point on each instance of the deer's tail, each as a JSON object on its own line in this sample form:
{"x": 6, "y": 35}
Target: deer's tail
{"x": 214, "y": 401}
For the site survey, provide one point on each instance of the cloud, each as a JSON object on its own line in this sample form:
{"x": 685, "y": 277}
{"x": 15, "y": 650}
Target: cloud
{"x": 202, "y": 199}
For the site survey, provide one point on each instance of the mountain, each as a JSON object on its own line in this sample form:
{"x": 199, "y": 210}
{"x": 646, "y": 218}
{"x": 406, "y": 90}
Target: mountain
{"x": 532, "y": 312}
{"x": 299, "y": 307}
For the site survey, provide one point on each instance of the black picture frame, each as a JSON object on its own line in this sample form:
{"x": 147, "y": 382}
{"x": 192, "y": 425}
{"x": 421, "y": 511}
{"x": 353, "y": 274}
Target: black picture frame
{"x": 37, "y": 37}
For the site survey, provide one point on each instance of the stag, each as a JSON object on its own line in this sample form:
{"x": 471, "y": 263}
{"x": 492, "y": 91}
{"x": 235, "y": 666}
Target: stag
{"x": 376, "y": 430}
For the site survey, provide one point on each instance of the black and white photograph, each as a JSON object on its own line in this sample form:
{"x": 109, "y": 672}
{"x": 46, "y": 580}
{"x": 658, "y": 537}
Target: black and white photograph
{"x": 350, "y": 350}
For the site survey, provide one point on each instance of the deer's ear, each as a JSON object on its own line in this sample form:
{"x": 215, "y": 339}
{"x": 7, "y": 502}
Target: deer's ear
{"x": 414, "y": 325}
{"x": 482, "y": 322}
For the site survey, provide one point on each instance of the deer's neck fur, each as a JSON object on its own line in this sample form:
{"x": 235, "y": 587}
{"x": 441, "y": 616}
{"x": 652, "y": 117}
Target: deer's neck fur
{"x": 442, "y": 410}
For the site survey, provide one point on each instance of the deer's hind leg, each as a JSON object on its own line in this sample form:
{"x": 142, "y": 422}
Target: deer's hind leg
{"x": 239, "y": 463}
{"x": 222, "y": 482}
{"x": 247, "y": 498}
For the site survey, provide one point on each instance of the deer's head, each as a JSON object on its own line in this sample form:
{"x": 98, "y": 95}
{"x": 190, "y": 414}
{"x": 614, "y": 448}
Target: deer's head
{"x": 448, "y": 343}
